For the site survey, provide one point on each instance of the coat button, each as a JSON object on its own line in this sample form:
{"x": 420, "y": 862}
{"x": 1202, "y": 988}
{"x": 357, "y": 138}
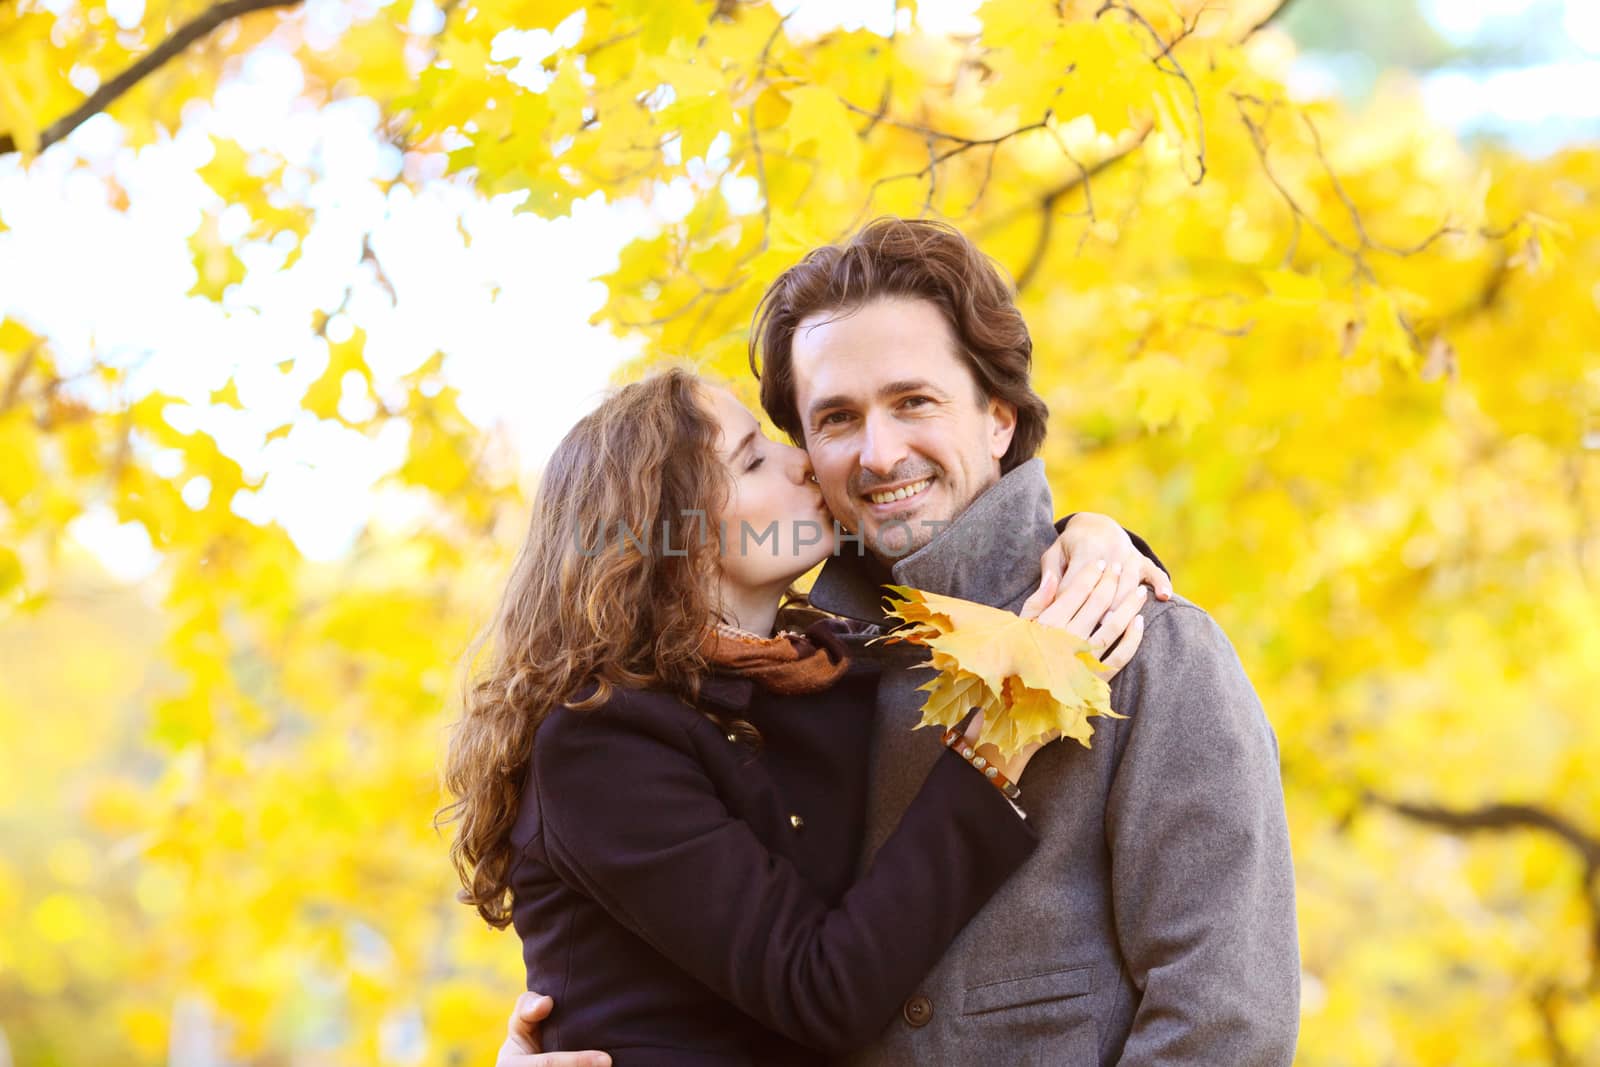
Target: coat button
{"x": 797, "y": 822}
{"x": 918, "y": 1011}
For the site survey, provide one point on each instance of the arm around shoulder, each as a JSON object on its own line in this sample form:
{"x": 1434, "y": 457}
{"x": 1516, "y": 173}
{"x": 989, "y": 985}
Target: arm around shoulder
{"x": 632, "y": 819}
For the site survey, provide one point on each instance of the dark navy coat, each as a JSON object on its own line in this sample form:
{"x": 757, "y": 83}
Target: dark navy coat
{"x": 687, "y": 897}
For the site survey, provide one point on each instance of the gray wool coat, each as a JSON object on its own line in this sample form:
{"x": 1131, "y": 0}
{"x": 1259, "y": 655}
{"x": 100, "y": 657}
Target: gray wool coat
{"x": 1155, "y": 923}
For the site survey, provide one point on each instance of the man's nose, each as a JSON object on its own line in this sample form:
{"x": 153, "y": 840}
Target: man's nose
{"x": 883, "y": 447}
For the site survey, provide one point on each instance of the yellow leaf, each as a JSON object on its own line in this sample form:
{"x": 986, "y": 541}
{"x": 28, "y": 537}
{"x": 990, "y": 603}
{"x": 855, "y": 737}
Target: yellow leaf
{"x": 322, "y": 396}
{"x": 1030, "y": 680}
{"x": 216, "y": 264}
{"x": 1292, "y": 287}
{"x": 20, "y": 472}
{"x": 227, "y": 395}
{"x": 10, "y": 570}
{"x": 14, "y": 116}
{"x": 227, "y": 172}
{"x": 1383, "y": 336}
{"x": 819, "y": 118}
{"x": 1167, "y": 391}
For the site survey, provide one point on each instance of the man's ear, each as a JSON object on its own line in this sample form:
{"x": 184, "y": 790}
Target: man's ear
{"x": 1002, "y": 425}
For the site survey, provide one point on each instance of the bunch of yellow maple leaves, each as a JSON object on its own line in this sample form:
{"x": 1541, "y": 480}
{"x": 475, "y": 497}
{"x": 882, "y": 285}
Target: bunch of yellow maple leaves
{"x": 1031, "y": 681}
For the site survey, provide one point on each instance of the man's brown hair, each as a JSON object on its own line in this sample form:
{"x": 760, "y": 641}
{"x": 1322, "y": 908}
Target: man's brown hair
{"x": 920, "y": 259}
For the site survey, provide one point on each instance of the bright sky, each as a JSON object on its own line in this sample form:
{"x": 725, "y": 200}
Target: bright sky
{"x": 510, "y": 307}
{"x": 98, "y": 280}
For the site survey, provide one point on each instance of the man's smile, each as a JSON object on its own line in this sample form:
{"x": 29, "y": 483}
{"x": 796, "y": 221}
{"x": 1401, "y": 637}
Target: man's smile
{"x": 884, "y": 500}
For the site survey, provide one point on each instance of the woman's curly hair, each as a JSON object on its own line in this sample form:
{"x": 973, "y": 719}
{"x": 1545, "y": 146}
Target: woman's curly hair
{"x": 585, "y": 604}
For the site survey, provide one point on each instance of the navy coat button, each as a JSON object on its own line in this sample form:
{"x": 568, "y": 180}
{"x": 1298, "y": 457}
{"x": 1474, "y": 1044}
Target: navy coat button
{"x": 797, "y": 822}
{"x": 918, "y": 1011}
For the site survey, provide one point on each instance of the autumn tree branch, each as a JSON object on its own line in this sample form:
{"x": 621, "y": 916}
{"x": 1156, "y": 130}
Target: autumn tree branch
{"x": 13, "y": 388}
{"x": 1173, "y": 69}
{"x": 1545, "y": 1003}
{"x": 182, "y": 38}
{"x": 936, "y": 158}
{"x": 1267, "y": 19}
{"x": 1046, "y": 205}
{"x": 1502, "y": 818}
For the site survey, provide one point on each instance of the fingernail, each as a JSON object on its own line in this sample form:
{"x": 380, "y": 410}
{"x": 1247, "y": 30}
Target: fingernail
{"x": 1117, "y": 569}
{"x": 1101, "y": 565}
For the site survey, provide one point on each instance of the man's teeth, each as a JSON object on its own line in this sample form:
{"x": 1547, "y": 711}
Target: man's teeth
{"x": 899, "y": 494}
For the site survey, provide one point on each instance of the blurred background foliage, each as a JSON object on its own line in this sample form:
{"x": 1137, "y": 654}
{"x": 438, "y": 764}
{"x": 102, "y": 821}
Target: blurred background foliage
{"x": 288, "y": 316}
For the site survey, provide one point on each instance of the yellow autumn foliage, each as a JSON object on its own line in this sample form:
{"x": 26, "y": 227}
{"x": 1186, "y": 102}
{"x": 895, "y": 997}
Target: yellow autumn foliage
{"x": 1340, "y": 368}
{"x": 1032, "y": 682}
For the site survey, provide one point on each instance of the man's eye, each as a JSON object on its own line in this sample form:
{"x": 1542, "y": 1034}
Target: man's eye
{"x": 833, "y": 417}
{"x": 918, "y": 400}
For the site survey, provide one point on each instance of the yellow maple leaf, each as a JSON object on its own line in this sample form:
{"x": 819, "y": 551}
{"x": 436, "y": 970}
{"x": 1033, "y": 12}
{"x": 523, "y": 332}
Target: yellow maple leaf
{"x": 1031, "y": 681}
{"x": 818, "y": 117}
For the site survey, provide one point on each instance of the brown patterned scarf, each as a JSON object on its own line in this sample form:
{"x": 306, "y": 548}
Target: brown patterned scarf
{"x": 789, "y": 662}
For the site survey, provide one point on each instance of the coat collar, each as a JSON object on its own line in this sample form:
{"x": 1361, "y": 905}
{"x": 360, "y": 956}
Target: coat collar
{"x": 733, "y": 691}
{"x": 988, "y": 554}
{"x": 727, "y": 691}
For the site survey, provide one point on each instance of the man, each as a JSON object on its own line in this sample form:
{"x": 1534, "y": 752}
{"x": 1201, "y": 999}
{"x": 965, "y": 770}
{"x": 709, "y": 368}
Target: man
{"x": 1162, "y": 885}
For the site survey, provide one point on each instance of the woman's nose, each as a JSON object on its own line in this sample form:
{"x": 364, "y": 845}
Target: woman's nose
{"x": 802, "y": 466}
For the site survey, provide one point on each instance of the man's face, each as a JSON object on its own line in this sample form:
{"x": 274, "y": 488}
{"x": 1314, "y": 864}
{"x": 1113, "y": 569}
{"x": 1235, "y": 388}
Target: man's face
{"x": 901, "y": 437}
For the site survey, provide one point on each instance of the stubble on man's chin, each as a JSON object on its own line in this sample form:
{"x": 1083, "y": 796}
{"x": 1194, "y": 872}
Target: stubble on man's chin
{"x": 895, "y": 545}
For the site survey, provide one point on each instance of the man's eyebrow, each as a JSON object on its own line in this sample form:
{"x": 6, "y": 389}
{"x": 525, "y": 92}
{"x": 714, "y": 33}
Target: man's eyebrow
{"x": 905, "y": 385}
{"x": 909, "y": 385}
{"x": 822, "y": 403}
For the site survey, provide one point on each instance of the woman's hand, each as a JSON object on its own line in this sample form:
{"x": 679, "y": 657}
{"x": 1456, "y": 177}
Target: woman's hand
{"x": 1104, "y": 573}
{"x": 1092, "y": 538}
{"x": 1084, "y": 606}
{"x": 1012, "y": 768}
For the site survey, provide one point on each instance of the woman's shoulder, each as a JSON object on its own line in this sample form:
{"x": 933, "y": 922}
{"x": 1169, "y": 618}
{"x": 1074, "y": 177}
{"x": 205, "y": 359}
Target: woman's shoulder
{"x": 621, "y": 709}
{"x": 623, "y": 734}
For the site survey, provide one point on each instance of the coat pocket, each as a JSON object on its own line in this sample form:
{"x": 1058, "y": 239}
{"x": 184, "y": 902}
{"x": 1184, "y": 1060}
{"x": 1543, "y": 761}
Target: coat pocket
{"x": 1032, "y": 989}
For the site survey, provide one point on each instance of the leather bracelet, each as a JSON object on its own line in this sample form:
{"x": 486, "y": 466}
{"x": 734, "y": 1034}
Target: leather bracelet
{"x": 956, "y": 742}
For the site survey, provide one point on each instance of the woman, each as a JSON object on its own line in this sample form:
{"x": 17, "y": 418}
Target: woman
{"x": 630, "y": 768}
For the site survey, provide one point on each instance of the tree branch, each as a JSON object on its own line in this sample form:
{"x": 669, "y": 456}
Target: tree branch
{"x": 1046, "y": 205}
{"x": 182, "y": 38}
{"x": 1499, "y": 817}
{"x": 1267, "y": 19}
{"x": 1052, "y": 195}
{"x": 19, "y": 373}
{"x": 935, "y": 157}
{"x": 1174, "y": 69}
{"x": 1508, "y": 817}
